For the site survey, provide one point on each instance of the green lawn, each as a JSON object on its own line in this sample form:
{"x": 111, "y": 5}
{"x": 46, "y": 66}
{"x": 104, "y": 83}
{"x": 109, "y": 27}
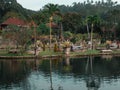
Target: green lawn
{"x": 88, "y": 52}
{"x": 51, "y": 52}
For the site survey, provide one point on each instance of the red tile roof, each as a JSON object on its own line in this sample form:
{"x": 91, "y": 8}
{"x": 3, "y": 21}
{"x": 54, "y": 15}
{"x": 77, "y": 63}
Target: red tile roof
{"x": 14, "y": 21}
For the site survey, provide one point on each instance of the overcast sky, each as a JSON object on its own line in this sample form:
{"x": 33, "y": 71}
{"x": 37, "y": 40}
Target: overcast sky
{"x": 37, "y": 4}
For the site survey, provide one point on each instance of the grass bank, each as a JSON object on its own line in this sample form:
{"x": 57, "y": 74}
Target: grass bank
{"x": 49, "y": 53}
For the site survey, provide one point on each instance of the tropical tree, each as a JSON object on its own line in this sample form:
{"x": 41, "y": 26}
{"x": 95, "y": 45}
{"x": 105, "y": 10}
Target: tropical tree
{"x": 115, "y": 15}
{"x": 18, "y": 36}
{"x": 68, "y": 35}
{"x": 51, "y": 9}
{"x": 42, "y": 29}
{"x": 23, "y": 38}
{"x": 72, "y": 22}
{"x": 86, "y": 23}
{"x": 40, "y": 17}
{"x": 111, "y": 23}
{"x": 92, "y": 21}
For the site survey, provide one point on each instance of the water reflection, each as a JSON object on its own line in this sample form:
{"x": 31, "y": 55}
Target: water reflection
{"x": 10, "y": 70}
{"x": 92, "y": 80}
{"x": 13, "y": 72}
{"x": 85, "y": 73}
{"x": 36, "y": 64}
{"x": 51, "y": 86}
{"x": 107, "y": 57}
{"x": 51, "y": 79}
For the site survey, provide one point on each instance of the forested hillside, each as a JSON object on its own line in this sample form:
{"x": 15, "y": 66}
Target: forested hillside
{"x": 107, "y": 12}
{"x": 10, "y": 8}
{"x": 101, "y": 16}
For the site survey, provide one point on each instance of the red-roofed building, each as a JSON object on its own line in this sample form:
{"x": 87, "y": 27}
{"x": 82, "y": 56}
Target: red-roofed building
{"x": 14, "y": 21}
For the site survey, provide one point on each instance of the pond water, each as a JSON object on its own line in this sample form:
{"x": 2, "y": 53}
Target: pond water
{"x": 86, "y": 73}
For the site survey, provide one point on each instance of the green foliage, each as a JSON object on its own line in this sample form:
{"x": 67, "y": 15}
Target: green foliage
{"x": 104, "y": 14}
{"x": 10, "y": 32}
{"x": 79, "y": 37}
{"x": 40, "y": 17}
{"x": 51, "y": 9}
{"x": 72, "y": 22}
{"x": 10, "y": 8}
{"x": 68, "y": 35}
{"x": 43, "y": 29}
{"x": 20, "y": 36}
{"x": 55, "y": 47}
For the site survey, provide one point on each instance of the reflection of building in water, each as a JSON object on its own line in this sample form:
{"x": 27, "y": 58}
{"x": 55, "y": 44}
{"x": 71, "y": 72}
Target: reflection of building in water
{"x": 107, "y": 57}
{"x": 92, "y": 80}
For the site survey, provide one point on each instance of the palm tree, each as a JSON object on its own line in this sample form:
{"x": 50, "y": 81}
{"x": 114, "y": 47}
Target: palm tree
{"x": 91, "y": 22}
{"x": 52, "y": 10}
{"x": 86, "y": 23}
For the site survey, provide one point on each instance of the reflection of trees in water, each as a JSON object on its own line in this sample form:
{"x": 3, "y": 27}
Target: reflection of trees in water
{"x": 51, "y": 86}
{"x": 76, "y": 67}
{"x": 51, "y": 81}
{"x": 107, "y": 68}
{"x": 67, "y": 68}
{"x": 101, "y": 69}
{"x": 18, "y": 71}
{"x": 92, "y": 80}
{"x": 15, "y": 72}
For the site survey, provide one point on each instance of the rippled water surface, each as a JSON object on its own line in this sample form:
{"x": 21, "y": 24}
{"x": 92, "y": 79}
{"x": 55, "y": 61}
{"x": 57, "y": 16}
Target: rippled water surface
{"x": 86, "y": 73}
